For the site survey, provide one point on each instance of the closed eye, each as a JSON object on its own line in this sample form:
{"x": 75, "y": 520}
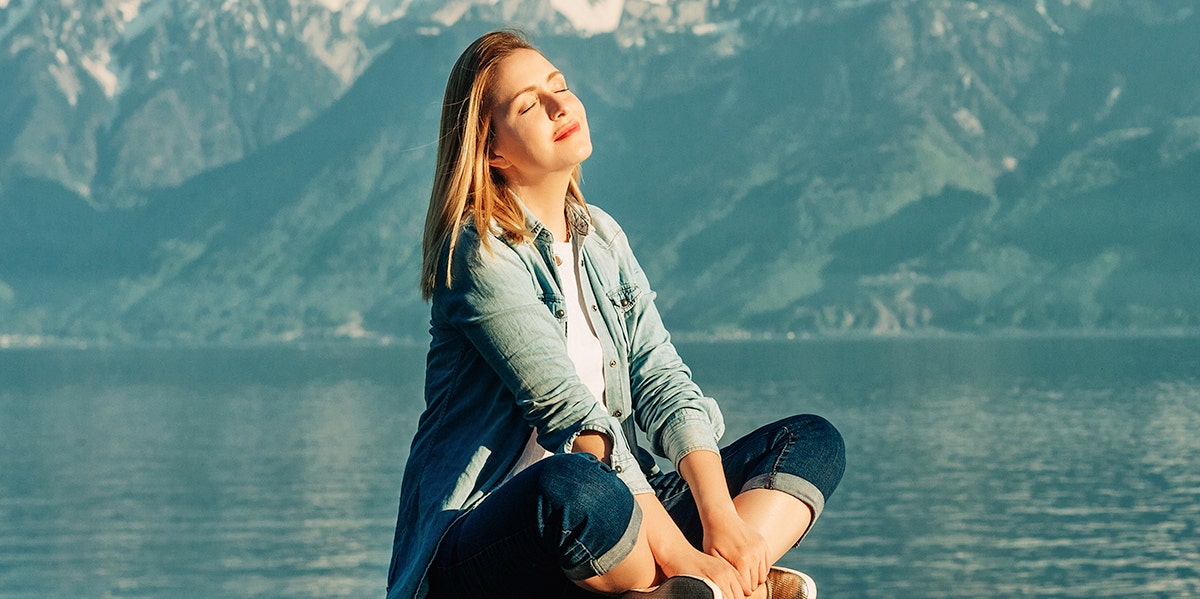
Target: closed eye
{"x": 559, "y": 83}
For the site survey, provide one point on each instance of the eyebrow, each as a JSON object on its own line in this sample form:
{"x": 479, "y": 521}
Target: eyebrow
{"x": 533, "y": 87}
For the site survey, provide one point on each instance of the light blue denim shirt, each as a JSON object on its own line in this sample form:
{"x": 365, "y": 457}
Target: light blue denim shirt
{"x": 498, "y": 367}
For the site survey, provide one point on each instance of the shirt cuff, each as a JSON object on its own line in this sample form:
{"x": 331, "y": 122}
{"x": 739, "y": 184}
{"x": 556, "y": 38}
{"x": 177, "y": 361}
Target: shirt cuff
{"x": 688, "y": 430}
{"x": 623, "y": 462}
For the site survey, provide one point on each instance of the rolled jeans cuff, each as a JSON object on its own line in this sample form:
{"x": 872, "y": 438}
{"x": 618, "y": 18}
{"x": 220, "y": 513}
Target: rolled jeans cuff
{"x": 605, "y": 562}
{"x": 795, "y": 486}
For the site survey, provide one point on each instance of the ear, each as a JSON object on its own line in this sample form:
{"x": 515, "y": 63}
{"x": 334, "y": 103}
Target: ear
{"x": 497, "y": 161}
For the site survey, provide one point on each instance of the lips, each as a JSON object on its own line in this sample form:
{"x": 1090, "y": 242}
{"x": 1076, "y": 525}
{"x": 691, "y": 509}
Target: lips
{"x": 567, "y": 131}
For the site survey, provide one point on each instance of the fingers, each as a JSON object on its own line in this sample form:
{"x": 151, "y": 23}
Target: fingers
{"x": 740, "y": 573}
{"x": 751, "y": 566}
{"x": 728, "y": 579}
{"x": 751, "y": 574}
{"x": 730, "y": 586}
{"x": 743, "y": 548}
{"x": 747, "y": 581}
{"x": 756, "y": 560}
{"x": 762, "y": 563}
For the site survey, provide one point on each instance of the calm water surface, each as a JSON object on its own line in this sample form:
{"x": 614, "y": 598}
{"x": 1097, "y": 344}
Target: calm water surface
{"x": 1032, "y": 467}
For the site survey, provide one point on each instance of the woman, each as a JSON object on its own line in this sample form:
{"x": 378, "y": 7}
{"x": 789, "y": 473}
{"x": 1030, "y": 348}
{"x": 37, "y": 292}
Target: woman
{"x": 524, "y": 477}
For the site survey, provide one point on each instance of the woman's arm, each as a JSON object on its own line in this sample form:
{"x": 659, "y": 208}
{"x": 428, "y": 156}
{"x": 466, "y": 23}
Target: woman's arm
{"x": 726, "y": 535}
{"x": 595, "y": 443}
{"x": 683, "y": 425}
{"x": 676, "y": 417}
{"x": 736, "y": 556}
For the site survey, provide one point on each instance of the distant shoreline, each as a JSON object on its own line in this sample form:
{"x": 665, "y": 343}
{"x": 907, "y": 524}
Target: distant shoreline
{"x": 14, "y": 343}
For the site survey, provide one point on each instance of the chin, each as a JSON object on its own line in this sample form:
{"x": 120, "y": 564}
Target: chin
{"x": 585, "y": 150}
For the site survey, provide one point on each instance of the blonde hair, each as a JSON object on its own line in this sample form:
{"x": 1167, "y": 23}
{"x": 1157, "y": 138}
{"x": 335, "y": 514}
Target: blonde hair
{"x": 464, "y": 184}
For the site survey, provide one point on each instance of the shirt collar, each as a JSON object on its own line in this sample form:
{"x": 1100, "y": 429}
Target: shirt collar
{"x": 578, "y": 219}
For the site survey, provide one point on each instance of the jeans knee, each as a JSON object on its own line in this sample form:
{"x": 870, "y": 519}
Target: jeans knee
{"x": 578, "y": 482}
{"x": 831, "y": 437}
{"x": 584, "y": 511}
{"x": 821, "y": 448}
{"x": 819, "y": 428}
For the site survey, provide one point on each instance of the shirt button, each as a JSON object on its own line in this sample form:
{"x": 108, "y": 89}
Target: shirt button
{"x": 618, "y": 469}
{"x": 612, "y": 364}
{"x": 560, "y": 314}
{"x": 594, "y": 308}
{"x": 617, "y": 414}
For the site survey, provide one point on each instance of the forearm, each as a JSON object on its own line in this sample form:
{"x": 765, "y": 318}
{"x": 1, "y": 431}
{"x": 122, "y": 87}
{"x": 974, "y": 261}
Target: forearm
{"x": 706, "y": 478}
{"x": 595, "y": 443}
{"x": 674, "y": 555}
{"x": 726, "y": 534}
{"x": 666, "y": 541}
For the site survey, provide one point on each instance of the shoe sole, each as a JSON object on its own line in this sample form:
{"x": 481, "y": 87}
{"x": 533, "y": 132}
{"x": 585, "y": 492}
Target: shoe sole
{"x": 678, "y": 587}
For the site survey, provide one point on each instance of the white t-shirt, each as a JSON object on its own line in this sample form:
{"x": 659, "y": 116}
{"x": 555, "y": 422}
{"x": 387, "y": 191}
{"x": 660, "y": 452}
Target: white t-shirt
{"x": 583, "y": 346}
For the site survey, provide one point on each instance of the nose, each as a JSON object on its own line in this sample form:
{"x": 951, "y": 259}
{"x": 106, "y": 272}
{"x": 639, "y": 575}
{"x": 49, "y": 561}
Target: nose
{"x": 556, "y": 108}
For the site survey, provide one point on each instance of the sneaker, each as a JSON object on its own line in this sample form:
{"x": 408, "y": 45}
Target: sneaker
{"x": 783, "y": 583}
{"x": 678, "y": 587}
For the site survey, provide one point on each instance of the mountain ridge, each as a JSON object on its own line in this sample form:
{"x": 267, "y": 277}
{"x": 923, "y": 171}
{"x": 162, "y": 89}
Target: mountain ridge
{"x": 898, "y": 168}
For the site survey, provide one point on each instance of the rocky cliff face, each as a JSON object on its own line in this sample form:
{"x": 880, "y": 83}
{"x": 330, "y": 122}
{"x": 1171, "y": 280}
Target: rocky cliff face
{"x": 257, "y": 172}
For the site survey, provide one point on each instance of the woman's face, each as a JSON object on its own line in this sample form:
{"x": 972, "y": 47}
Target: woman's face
{"x": 539, "y": 126}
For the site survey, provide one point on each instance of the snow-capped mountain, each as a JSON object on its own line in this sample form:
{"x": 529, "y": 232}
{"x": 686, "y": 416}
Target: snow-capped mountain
{"x": 256, "y": 170}
{"x": 112, "y": 97}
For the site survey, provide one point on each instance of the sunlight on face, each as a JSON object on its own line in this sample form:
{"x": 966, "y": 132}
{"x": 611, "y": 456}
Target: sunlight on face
{"x": 539, "y": 125}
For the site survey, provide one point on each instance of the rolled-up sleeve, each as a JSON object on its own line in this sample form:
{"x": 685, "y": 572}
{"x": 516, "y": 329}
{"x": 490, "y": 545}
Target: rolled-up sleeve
{"x": 622, "y": 459}
{"x": 686, "y": 430}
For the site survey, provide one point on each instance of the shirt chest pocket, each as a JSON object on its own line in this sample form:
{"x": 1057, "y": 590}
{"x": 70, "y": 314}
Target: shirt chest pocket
{"x": 557, "y": 308}
{"x": 625, "y": 298}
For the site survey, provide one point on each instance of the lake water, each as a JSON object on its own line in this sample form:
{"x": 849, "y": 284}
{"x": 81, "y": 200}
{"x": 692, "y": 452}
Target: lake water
{"x": 1056, "y": 467}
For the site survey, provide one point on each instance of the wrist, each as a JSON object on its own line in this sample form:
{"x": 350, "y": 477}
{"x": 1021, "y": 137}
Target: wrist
{"x": 705, "y": 475}
{"x": 716, "y": 510}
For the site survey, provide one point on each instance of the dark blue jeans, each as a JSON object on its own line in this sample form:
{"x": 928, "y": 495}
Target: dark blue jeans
{"x": 568, "y": 517}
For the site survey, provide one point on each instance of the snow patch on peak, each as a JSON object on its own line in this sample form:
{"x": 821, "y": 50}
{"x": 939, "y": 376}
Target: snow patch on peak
{"x": 128, "y": 9}
{"x": 352, "y": 8}
{"x": 146, "y": 15}
{"x": 450, "y": 13}
{"x": 590, "y": 17}
{"x": 1041, "y": 9}
{"x": 13, "y": 17}
{"x": 98, "y": 68}
{"x": 67, "y": 82}
{"x": 341, "y": 55}
{"x": 332, "y": 5}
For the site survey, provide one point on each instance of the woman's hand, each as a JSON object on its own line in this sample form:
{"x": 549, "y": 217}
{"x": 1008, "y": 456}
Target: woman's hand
{"x": 732, "y": 540}
{"x": 674, "y": 555}
{"x": 726, "y": 535}
{"x": 695, "y": 563}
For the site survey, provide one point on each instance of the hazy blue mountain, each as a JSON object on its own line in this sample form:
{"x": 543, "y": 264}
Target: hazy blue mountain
{"x": 782, "y": 168}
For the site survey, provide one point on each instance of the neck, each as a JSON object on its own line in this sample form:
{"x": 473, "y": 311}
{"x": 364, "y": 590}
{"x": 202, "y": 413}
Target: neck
{"x": 547, "y": 200}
